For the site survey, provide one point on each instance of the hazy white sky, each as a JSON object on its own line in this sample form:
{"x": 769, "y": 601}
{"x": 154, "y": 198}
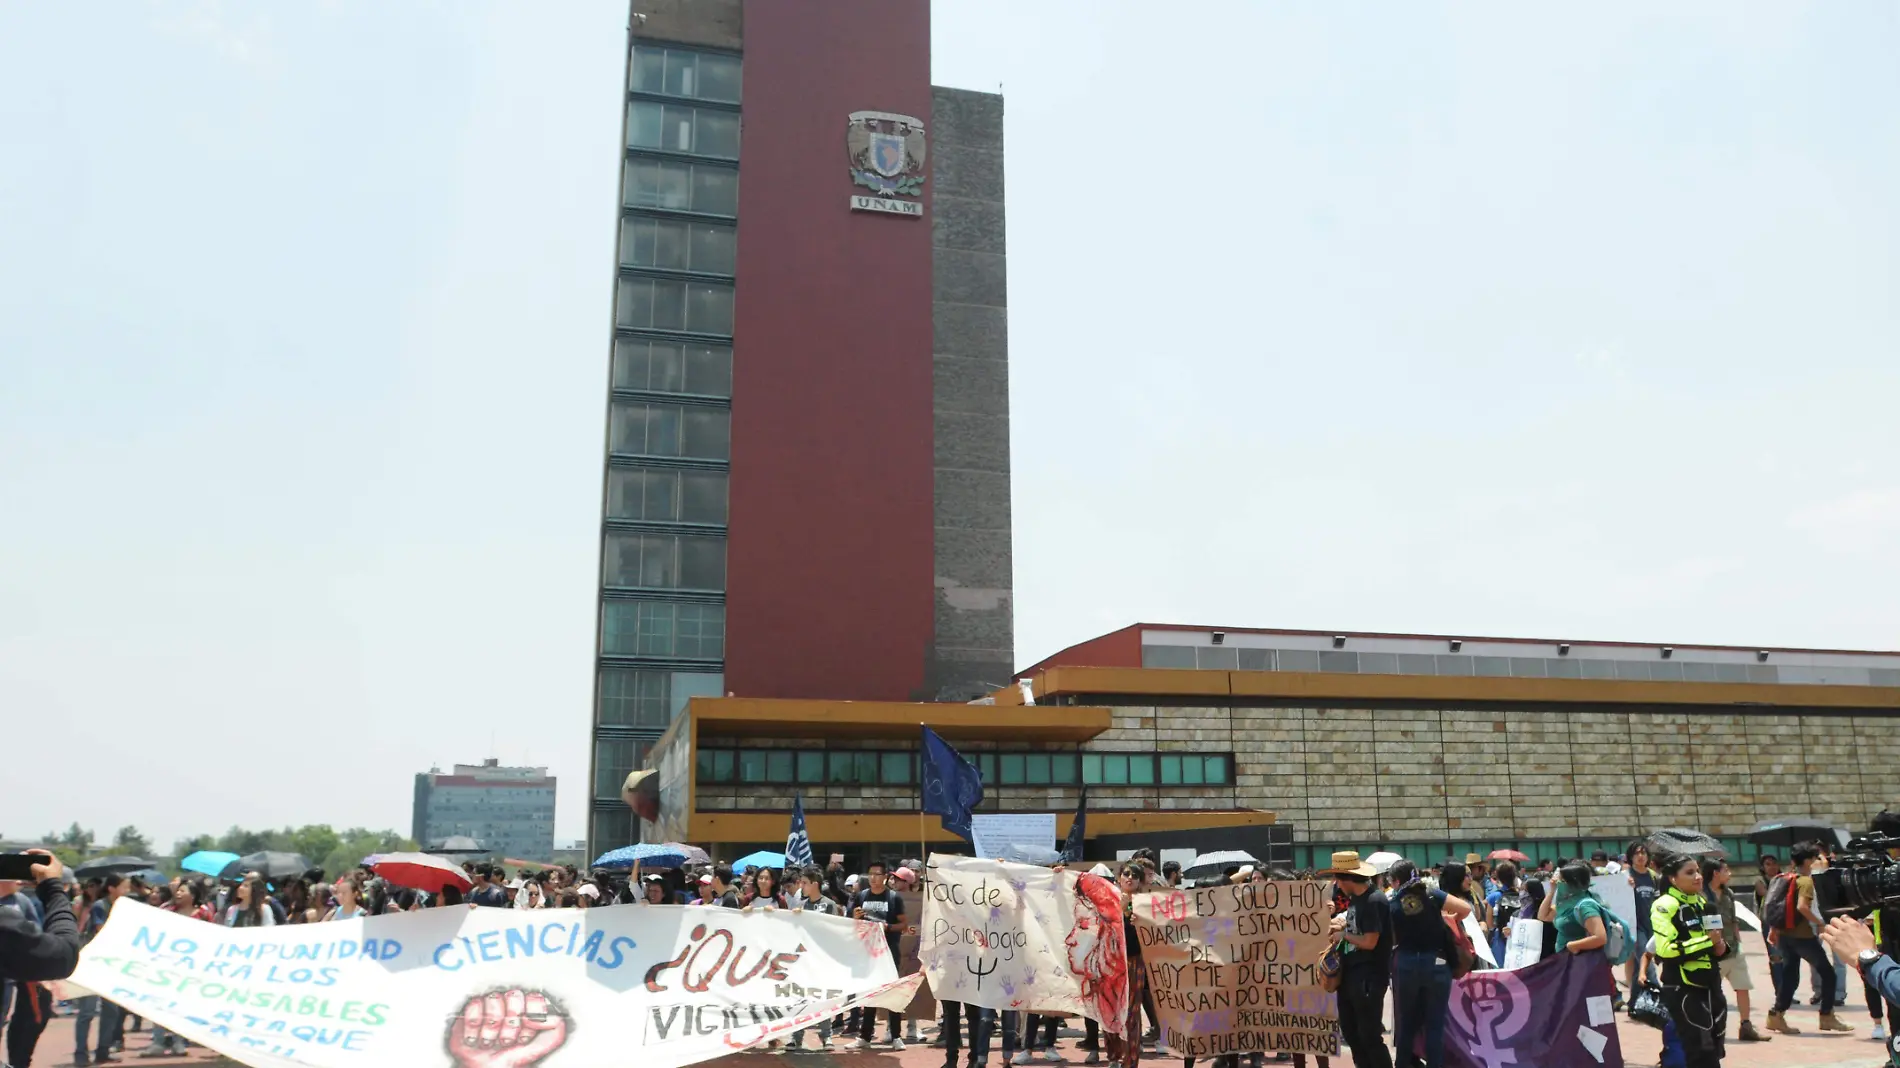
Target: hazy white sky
{"x": 1561, "y": 322}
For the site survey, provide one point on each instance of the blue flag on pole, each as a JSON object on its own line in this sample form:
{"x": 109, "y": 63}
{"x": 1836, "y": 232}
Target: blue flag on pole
{"x": 1072, "y": 846}
{"x": 798, "y": 843}
{"x": 952, "y": 786}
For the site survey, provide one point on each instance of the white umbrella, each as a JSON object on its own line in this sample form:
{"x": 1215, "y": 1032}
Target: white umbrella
{"x": 1382, "y": 861}
{"x": 1209, "y": 865}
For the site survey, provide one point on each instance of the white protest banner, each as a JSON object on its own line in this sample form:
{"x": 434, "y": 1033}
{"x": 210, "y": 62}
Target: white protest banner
{"x": 1234, "y": 969}
{"x": 492, "y": 988}
{"x": 1526, "y": 946}
{"x": 1616, "y": 892}
{"x": 992, "y": 833}
{"x": 1747, "y": 916}
{"x": 1016, "y": 936}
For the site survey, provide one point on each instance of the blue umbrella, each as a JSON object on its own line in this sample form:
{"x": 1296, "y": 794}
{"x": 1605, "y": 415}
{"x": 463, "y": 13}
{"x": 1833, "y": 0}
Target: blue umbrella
{"x": 652, "y": 855}
{"x": 764, "y": 858}
{"x": 207, "y": 861}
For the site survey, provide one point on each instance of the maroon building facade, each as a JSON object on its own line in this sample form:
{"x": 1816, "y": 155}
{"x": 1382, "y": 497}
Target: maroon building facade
{"x": 806, "y": 488}
{"x": 829, "y": 558}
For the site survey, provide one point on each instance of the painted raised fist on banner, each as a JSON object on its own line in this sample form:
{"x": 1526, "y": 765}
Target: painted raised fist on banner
{"x": 506, "y": 1029}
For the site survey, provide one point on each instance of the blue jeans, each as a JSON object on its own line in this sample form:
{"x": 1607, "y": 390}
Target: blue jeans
{"x": 1793, "y": 952}
{"x": 980, "y": 1021}
{"x": 1422, "y": 1002}
{"x": 110, "y": 1017}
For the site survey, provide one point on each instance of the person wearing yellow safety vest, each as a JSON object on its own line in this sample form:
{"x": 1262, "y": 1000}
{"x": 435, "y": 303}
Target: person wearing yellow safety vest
{"x": 1689, "y": 941}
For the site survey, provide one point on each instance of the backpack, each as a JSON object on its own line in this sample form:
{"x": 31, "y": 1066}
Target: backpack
{"x": 1505, "y": 910}
{"x": 1619, "y": 942}
{"x": 1778, "y": 911}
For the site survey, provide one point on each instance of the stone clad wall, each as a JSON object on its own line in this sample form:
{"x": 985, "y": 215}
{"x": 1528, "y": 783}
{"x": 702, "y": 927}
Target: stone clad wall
{"x": 1450, "y": 774}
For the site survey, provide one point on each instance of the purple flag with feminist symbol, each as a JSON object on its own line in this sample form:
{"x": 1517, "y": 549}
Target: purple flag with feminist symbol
{"x": 1554, "y": 1014}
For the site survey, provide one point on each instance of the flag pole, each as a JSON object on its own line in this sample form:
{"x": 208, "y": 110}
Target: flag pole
{"x": 923, "y": 848}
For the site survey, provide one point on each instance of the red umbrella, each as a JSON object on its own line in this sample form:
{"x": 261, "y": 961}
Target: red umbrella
{"x": 1508, "y": 854}
{"x": 421, "y": 871}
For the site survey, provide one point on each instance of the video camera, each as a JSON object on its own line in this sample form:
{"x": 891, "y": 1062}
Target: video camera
{"x": 1863, "y": 878}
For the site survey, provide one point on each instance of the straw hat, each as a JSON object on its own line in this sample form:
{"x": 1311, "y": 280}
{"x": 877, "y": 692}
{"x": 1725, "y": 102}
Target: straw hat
{"x": 1473, "y": 858}
{"x": 1348, "y": 863}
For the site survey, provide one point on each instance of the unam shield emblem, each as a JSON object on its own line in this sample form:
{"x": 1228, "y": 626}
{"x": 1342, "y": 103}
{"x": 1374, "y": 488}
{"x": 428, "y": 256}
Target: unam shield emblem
{"x": 886, "y": 152}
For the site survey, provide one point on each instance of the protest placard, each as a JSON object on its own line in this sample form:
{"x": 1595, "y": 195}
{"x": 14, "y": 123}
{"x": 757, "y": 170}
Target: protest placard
{"x": 1526, "y": 946}
{"x": 993, "y": 833}
{"x": 1016, "y": 936}
{"x": 488, "y": 987}
{"x": 1615, "y": 891}
{"x": 1234, "y": 969}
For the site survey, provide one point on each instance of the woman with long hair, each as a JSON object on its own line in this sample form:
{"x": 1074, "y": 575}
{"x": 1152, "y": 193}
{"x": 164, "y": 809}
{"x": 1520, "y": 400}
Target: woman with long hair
{"x": 1422, "y": 949}
{"x": 348, "y": 906}
{"x": 1101, "y": 945}
{"x": 248, "y": 907}
{"x": 765, "y": 891}
{"x": 296, "y": 902}
{"x": 1690, "y": 942}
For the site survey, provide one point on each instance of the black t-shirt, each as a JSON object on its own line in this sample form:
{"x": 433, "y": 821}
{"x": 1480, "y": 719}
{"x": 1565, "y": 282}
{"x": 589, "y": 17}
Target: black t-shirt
{"x": 727, "y": 900}
{"x": 887, "y": 907}
{"x": 491, "y": 896}
{"x": 1369, "y": 912}
{"x": 1417, "y": 924}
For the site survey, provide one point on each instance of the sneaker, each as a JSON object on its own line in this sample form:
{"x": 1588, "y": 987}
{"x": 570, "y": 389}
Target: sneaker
{"x": 1749, "y": 1034}
{"x": 1021, "y": 1057}
{"x": 1831, "y": 1022}
{"x": 858, "y": 1044}
{"x": 1880, "y": 1032}
{"x": 80, "y": 1060}
{"x": 897, "y": 1043}
{"x": 1051, "y": 1055}
{"x": 1778, "y": 1022}
{"x": 153, "y": 1050}
{"x": 1814, "y": 999}
{"x": 1094, "y": 1057}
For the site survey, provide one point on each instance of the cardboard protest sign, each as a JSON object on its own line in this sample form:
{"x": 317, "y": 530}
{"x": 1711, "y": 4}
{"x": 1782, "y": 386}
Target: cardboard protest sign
{"x": 492, "y": 988}
{"x": 1016, "y": 936}
{"x": 1234, "y": 969}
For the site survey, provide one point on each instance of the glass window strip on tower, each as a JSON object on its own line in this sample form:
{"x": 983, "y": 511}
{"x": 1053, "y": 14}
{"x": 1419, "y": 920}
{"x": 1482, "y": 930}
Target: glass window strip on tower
{"x": 663, "y": 510}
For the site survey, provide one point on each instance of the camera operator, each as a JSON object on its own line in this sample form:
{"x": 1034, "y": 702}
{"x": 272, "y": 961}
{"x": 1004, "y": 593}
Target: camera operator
{"x": 1850, "y": 939}
{"x": 29, "y": 955}
{"x": 35, "y": 953}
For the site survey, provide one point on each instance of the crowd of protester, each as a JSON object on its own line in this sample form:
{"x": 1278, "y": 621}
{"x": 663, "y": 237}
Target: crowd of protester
{"x": 1396, "y": 934}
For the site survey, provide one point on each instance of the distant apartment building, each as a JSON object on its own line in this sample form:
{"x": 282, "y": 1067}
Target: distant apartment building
{"x": 508, "y": 810}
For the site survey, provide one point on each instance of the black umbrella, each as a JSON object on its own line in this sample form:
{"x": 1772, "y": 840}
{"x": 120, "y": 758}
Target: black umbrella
{"x": 1789, "y": 830}
{"x": 98, "y": 866}
{"x": 274, "y": 866}
{"x": 1681, "y": 841}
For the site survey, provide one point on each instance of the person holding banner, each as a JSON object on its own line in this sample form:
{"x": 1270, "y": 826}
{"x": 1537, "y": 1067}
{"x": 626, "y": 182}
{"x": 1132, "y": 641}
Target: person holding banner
{"x": 1363, "y": 927}
{"x": 1421, "y": 968}
{"x": 880, "y": 904}
{"x": 1577, "y": 911}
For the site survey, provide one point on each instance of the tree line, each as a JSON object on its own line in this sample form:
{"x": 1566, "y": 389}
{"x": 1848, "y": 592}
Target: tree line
{"x": 332, "y": 850}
